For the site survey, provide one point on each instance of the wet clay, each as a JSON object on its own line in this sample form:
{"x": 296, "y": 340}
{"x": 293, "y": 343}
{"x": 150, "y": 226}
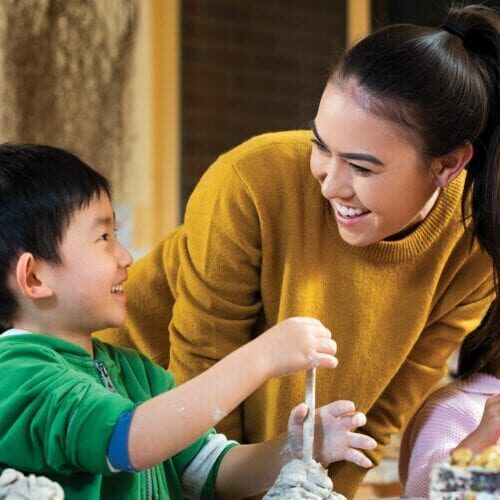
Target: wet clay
{"x": 16, "y": 486}
{"x": 299, "y": 480}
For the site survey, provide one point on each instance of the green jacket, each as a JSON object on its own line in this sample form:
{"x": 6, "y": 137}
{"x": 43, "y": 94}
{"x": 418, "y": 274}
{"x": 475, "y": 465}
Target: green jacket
{"x": 57, "y": 416}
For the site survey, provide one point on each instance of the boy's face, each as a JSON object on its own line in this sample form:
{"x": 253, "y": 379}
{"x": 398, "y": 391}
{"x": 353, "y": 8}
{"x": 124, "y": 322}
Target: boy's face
{"x": 88, "y": 285}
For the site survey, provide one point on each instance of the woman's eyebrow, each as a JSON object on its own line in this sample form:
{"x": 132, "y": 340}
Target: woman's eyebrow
{"x": 348, "y": 156}
{"x": 312, "y": 126}
{"x": 362, "y": 157}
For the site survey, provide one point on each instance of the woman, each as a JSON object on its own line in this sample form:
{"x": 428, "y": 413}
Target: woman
{"x": 372, "y": 243}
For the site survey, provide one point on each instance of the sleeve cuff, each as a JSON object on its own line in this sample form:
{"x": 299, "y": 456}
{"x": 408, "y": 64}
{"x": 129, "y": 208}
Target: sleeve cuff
{"x": 118, "y": 458}
{"x": 198, "y": 471}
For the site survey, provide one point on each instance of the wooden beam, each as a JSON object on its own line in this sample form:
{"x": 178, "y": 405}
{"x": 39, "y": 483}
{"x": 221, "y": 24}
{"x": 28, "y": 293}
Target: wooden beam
{"x": 359, "y": 23}
{"x": 165, "y": 33}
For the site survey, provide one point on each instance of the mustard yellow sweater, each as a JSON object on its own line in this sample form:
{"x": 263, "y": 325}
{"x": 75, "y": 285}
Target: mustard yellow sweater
{"x": 260, "y": 244}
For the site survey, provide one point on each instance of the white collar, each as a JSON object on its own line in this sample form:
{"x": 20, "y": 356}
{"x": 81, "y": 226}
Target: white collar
{"x": 15, "y": 331}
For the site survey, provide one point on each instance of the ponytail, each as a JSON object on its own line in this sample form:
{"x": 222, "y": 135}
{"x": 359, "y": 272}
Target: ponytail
{"x": 480, "y": 30}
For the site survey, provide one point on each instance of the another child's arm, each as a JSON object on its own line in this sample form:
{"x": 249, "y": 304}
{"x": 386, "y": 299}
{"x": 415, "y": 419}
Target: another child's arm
{"x": 168, "y": 423}
{"x": 487, "y": 432}
{"x": 441, "y": 425}
{"x": 247, "y": 470}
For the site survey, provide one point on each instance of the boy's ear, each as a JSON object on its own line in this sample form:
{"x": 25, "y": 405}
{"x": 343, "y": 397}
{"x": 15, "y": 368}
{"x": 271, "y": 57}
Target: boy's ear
{"x": 32, "y": 286}
{"x": 448, "y": 167}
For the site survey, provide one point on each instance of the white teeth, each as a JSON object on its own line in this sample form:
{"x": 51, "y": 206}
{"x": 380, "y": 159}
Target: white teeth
{"x": 349, "y": 211}
{"x": 117, "y": 288}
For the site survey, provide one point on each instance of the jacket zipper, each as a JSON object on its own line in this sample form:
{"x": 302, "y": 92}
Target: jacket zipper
{"x": 149, "y": 484}
{"x": 108, "y": 383}
{"x": 105, "y": 378}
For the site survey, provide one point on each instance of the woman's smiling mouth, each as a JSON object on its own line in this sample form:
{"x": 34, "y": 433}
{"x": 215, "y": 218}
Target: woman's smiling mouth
{"x": 349, "y": 216}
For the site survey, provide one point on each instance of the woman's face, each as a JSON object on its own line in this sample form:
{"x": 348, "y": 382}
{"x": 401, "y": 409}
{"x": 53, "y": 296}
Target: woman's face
{"x": 369, "y": 171}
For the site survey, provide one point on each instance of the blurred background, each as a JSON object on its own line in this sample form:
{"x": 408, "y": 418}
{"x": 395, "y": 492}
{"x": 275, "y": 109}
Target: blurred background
{"x": 150, "y": 92}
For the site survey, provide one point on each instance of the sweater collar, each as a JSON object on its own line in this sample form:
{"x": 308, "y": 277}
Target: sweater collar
{"x": 446, "y": 211}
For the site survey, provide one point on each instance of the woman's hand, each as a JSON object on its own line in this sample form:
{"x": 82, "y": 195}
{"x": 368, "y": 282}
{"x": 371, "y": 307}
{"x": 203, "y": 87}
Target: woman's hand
{"x": 333, "y": 437}
{"x": 487, "y": 432}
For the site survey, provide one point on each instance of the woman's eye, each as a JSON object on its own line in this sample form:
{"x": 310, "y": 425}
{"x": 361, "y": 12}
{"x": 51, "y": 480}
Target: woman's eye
{"x": 104, "y": 237}
{"x": 360, "y": 170}
{"x": 320, "y": 146}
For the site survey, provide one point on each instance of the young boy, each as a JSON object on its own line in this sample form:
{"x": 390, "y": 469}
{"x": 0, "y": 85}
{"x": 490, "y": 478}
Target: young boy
{"x": 106, "y": 422}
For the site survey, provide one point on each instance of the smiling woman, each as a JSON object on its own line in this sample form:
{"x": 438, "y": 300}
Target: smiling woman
{"x": 373, "y": 175}
{"x": 373, "y": 243}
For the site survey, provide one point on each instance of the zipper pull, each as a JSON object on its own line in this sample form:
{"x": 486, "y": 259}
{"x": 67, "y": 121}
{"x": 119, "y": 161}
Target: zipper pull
{"x": 105, "y": 378}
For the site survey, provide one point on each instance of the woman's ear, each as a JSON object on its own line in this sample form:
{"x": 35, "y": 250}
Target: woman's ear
{"x": 28, "y": 279}
{"x": 448, "y": 167}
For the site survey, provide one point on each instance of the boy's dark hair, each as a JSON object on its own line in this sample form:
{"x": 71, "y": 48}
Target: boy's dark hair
{"x": 40, "y": 189}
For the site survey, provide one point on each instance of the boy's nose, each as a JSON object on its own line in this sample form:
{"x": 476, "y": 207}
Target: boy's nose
{"x": 125, "y": 259}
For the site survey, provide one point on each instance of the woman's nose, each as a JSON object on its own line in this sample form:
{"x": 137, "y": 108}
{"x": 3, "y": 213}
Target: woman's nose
{"x": 337, "y": 183}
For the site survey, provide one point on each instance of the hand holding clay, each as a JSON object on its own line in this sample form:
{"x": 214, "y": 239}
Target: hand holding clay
{"x": 296, "y": 344}
{"x": 333, "y": 436}
{"x": 325, "y": 435}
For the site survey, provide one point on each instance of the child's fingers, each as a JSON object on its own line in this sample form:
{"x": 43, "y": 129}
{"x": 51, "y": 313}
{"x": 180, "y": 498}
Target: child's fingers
{"x": 493, "y": 400}
{"x": 323, "y": 360}
{"x": 361, "y": 441}
{"x": 328, "y": 346}
{"x": 358, "y": 420}
{"x": 315, "y": 327}
{"x": 352, "y": 420}
{"x": 298, "y": 415}
{"x": 356, "y": 457}
{"x": 307, "y": 320}
{"x": 340, "y": 408}
{"x": 321, "y": 332}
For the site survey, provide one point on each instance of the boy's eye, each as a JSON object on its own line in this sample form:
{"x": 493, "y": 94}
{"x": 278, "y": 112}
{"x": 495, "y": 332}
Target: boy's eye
{"x": 108, "y": 236}
{"x": 320, "y": 146}
{"x": 360, "y": 170}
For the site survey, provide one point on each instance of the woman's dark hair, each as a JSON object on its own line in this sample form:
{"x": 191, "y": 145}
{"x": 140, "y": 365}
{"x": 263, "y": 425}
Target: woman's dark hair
{"x": 442, "y": 84}
{"x": 480, "y": 351}
{"x": 40, "y": 189}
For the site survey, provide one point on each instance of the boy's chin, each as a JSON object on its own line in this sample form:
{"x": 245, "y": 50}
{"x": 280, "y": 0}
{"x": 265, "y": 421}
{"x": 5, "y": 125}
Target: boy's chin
{"x": 116, "y": 322}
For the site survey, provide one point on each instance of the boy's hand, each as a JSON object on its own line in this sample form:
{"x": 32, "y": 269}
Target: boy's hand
{"x": 488, "y": 430}
{"x": 333, "y": 439}
{"x": 294, "y": 345}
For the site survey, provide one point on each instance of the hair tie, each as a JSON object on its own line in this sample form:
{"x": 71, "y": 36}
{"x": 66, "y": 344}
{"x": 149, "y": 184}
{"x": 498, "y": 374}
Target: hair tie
{"x": 453, "y": 29}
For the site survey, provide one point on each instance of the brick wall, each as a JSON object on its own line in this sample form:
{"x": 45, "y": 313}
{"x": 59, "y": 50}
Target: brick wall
{"x": 251, "y": 66}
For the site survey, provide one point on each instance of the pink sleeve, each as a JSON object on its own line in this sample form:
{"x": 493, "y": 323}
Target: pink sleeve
{"x": 439, "y": 426}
